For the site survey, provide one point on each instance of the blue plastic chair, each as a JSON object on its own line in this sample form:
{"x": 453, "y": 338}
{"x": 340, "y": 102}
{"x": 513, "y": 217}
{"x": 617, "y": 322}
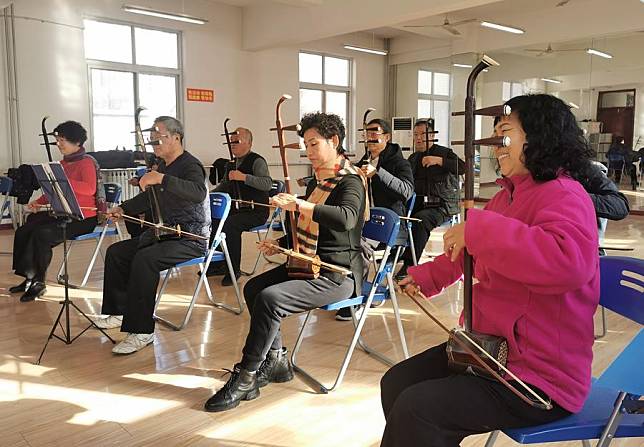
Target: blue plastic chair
{"x": 410, "y": 238}
{"x": 219, "y": 209}
{"x": 383, "y": 227}
{"x": 605, "y": 414}
{"x": 112, "y": 197}
{"x": 275, "y": 222}
{"x": 6, "y": 183}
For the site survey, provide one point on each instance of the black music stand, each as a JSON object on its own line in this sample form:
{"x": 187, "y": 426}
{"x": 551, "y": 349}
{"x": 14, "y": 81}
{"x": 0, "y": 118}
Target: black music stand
{"x": 65, "y": 208}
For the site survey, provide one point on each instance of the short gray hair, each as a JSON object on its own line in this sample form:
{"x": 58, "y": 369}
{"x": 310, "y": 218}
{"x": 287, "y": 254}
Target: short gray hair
{"x": 248, "y": 133}
{"x": 173, "y": 125}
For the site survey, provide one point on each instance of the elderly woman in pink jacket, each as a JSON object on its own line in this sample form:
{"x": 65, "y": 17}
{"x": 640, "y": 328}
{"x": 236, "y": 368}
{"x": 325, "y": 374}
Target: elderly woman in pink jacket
{"x": 535, "y": 261}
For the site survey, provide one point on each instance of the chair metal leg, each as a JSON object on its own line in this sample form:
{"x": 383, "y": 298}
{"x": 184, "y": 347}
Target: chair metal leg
{"x": 411, "y": 246}
{"x": 613, "y": 422}
{"x": 186, "y": 318}
{"x": 252, "y": 272}
{"x": 394, "y": 302}
{"x": 238, "y": 310}
{"x": 319, "y": 386}
{"x": 90, "y": 266}
{"x": 603, "y": 332}
{"x": 492, "y": 438}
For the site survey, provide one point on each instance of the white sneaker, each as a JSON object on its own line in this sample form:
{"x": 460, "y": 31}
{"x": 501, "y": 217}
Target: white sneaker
{"x": 133, "y": 343}
{"x": 111, "y": 322}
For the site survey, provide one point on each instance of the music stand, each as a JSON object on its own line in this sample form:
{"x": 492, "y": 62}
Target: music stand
{"x": 64, "y": 208}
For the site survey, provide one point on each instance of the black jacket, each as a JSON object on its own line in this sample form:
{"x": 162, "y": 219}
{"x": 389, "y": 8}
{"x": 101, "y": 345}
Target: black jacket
{"x": 183, "y": 197}
{"x": 608, "y": 201}
{"x": 438, "y": 183}
{"x": 393, "y": 184}
{"x": 341, "y": 219}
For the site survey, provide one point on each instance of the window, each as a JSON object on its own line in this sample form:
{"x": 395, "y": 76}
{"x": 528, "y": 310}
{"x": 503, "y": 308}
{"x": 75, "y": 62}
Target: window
{"x": 129, "y": 66}
{"x": 325, "y": 86}
{"x": 434, "y": 102}
{"x": 512, "y": 89}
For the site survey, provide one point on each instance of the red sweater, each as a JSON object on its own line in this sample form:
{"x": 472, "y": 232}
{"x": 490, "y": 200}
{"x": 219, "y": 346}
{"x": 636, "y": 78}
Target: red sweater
{"x": 82, "y": 177}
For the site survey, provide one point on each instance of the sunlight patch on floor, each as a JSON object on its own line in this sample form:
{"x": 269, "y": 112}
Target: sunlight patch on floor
{"x": 100, "y": 406}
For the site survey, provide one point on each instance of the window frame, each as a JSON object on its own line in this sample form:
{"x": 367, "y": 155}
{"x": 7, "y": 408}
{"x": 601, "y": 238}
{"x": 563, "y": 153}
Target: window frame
{"x": 136, "y": 69}
{"x": 324, "y": 88}
{"x": 432, "y": 97}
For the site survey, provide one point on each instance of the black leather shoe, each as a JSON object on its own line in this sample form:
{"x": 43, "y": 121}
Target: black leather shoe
{"x": 242, "y": 385}
{"x": 217, "y": 269}
{"x": 36, "y": 289}
{"x": 227, "y": 280}
{"x": 275, "y": 369}
{"x": 20, "y": 287}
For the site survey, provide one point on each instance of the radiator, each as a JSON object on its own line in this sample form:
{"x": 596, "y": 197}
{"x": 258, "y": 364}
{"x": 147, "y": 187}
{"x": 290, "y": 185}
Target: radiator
{"x": 121, "y": 177}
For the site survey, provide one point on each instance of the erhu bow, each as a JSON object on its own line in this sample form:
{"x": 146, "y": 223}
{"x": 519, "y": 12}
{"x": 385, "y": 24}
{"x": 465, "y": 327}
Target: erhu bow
{"x": 366, "y": 142}
{"x": 236, "y": 196}
{"x": 491, "y": 350}
{"x": 296, "y": 266}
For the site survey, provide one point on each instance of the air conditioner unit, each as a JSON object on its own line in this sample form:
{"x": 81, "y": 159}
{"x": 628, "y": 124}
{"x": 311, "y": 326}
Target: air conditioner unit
{"x": 403, "y": 132}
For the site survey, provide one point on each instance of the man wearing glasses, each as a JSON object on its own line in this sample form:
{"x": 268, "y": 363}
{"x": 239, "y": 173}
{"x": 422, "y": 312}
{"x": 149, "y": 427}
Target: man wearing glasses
{"x": 391, "y": 182}
{"x": 132, "y": 266}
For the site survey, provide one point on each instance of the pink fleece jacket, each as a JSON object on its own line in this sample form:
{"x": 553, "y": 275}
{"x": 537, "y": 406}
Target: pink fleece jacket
{"x": 535, "y": 259}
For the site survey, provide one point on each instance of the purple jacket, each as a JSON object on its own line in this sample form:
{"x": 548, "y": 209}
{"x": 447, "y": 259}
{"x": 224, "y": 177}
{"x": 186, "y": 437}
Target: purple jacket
{"x": 535, "y": 259}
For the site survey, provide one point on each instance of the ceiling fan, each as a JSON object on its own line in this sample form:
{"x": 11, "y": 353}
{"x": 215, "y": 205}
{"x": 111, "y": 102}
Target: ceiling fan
{"x": 446, "y": 25}
{"x": 549, "y": 50}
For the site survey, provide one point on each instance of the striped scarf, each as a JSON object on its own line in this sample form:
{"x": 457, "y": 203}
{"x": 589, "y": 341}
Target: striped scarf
{"x": 327, "y": 179}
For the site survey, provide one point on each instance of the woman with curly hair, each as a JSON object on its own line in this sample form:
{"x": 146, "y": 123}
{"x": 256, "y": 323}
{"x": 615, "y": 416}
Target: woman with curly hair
{"x": 329, "y": 225}
{"x": 535, "y": 259}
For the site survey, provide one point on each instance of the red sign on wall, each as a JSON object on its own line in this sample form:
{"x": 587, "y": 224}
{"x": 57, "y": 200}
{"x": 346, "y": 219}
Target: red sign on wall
{"x": 200, "y": 94}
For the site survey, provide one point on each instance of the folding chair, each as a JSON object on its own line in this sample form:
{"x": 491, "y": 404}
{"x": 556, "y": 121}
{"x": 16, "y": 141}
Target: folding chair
{"x": 6, "y": 183}
{"x": 275, "y": 222}
{"x": 112, "y": 197}
{"x": 611, "y": 410}
{"x": 219, "y": 209}
{"x": 383, "y": 227}
{"x": 410, "y": 238}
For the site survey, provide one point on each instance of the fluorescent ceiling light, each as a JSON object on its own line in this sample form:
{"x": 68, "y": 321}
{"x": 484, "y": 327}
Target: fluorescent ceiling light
{"x": 572, "y": 104}
{"x": 366, "y": 50}
{"x": 598, "y": 53}
{"x": 163, "y": 15}
{"x": 507, "y": 29}
{"x": 468, "y": 65}
{"x": 553, "y": 81}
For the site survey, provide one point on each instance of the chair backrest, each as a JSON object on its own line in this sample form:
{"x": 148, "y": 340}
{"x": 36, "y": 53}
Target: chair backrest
{"x": 219, "y": 209}
{"x": 6, "y": 183}
{"x": 277, "y": 188}
{"x": 382, "y": 226}
{"x": 622, "y": 286}
{"x": 410, "y": 204}
{"x": 112, "y": 192}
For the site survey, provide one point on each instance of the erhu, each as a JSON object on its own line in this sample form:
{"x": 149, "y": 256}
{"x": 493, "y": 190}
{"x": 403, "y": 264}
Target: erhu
{"x": 45, "y": 135}
{"x": 235, "y": 190}
{"x": 161, "y": 231}
{"x": 296, "y": 266}
{"x": 468, "y": 351}
{"x": 366, "y": 142}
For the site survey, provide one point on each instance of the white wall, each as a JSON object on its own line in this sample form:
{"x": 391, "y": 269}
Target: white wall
{"x": 53, "y": 75}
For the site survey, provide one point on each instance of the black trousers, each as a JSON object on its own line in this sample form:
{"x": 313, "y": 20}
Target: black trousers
{"x": 430, "y": 219}
{"x": 235, "y": 225}
{"x": 272, "y": 296}
{"x": 132, "y": 277}
{"x": 33, "y": 243}
{"x": 426, "y": 404}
